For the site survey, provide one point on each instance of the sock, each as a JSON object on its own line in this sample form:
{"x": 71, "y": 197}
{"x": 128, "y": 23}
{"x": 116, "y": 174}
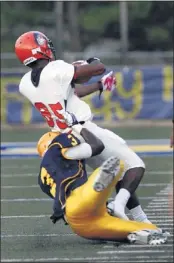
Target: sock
{"x": 139, "y": 215}
{"x": 122, "y": 198}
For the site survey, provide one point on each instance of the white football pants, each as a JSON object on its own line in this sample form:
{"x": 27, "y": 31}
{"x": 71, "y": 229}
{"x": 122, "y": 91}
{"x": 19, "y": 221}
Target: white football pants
{"x": 114, "y": 146}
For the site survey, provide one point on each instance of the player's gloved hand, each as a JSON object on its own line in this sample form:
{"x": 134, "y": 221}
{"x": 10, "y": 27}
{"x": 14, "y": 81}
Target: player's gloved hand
{"x": 108, "y": 82}
{"x": 88, "y": 61}
{"x": 93, "y": 60}
{"x": 70, "y": 118}
{"x": 80, "y": 62}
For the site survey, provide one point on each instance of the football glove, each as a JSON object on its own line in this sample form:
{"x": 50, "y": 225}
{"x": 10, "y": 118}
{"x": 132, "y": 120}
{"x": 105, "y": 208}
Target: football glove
{"x": 88, "y": 61}
{"x": 93, "y": 60}
{"x": 80, "y": 62}
{"x": 108, "y": 82}
{"x": 70, "y": 118}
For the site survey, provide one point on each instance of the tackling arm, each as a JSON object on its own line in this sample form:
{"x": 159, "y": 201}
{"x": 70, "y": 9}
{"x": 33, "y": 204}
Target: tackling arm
{"x": 91, "y": 147}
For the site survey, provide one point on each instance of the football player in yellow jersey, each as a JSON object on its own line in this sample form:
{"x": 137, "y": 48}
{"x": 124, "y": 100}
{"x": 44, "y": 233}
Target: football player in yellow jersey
{"x": 81, "y": 200}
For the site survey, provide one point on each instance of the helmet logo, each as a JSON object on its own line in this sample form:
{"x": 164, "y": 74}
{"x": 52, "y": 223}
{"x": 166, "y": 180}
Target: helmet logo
{"x": 29, "y": 60}
{"x": 40, "y": 40}
{"x": 35, "y": 50}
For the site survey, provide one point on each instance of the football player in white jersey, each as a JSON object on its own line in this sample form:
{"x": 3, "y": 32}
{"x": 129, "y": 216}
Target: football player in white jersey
{"x": 50, "y": 88}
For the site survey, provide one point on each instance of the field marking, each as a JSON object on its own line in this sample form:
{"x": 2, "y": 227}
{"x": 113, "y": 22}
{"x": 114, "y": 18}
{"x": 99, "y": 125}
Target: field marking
{"x": 9, "y": 175}
{"x": 134, "y": 246}
{"x": 36, "y": 185}
{"x": 91, "y": 259}
{"x": 141, "y": 261}
{"x": 27, "y": 200}
{"x": 10, "y": 200}
{"x": 24, "y": 216}
{"x": 158, "y": 205}
{"x": 76, "y": 260}
{"x": 131, "y": 251}
{"x": 165, "y": 218}
{"x": 53, "y": 259}
{"x": 19, "y": 186}
{"x": 37, "y": 235}
{"x": 18, "y": 175}
{"x": 158, "y": 209}
{"x": 162, "y": 221}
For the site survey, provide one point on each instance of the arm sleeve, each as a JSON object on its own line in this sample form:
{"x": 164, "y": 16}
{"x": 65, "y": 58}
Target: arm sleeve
{"x": 81, "y": 151}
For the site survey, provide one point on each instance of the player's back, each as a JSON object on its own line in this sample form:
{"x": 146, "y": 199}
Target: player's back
{"x": 59, "y": 176}
{"x": 52, "y": 94}
{"x": 49, "y": 88}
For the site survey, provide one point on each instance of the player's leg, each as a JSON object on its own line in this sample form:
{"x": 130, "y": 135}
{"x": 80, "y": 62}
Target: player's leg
{"x": 107, "y": 227}
{"x": 114, "y": 145}
{"x": 90, "y": 198}
{"x": 133, "y": 205}
{"x": 86, "y": 212}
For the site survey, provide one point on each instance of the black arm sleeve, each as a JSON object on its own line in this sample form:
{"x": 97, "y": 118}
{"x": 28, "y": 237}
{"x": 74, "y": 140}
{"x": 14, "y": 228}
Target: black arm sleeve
{"x": 96, "y": 144}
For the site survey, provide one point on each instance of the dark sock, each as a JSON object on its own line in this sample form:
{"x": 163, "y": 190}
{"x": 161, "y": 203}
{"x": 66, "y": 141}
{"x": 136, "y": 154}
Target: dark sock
{"x": 132, "y": 178}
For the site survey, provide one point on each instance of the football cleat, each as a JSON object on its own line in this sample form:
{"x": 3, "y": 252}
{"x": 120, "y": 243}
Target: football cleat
{"x": 108, "y": 171}
{"x": 110, "y": 207}
{"x": 149, "y": 237}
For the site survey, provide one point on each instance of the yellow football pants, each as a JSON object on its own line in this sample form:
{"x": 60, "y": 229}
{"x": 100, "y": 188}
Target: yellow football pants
{"x": 87, "y": 215}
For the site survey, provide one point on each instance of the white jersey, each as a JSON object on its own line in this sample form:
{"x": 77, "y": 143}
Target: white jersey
{"x": 55, "y": 94}
{"x": 49, "y": 98}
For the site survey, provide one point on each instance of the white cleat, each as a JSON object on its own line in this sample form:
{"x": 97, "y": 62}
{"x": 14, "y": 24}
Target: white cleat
{"x": 108, "y": 171}
{"x": 149, "y": 237}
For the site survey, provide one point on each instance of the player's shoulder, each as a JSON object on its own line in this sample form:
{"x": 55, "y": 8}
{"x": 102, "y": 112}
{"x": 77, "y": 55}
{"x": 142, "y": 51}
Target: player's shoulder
{"x": 59, "y": 69}
{"x": 24, "y": 80}
{"x": 59, "y": 64}
{"x": 66, "y": 140}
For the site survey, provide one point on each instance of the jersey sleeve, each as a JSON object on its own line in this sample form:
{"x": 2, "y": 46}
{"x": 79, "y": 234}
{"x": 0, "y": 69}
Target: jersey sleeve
{"x": 79, "y": 152}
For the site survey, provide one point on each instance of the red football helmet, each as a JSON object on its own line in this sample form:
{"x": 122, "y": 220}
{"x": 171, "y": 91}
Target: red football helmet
{"x": 32, "y": 46}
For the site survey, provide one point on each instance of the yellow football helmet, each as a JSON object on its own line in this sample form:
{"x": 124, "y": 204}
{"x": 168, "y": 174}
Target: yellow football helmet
{"x": 44, "y": 142}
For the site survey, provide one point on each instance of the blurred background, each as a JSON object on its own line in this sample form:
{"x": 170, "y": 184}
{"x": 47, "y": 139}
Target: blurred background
{"x": 135, "y": 39}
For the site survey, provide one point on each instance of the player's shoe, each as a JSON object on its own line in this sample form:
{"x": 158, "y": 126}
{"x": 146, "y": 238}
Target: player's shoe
{"x": 108, "y": 171}
{"x": 149, "y": 237}
{"x": 110, "y": 207}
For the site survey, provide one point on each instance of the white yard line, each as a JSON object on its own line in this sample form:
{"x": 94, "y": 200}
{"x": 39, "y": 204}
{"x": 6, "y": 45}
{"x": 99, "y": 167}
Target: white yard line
{"x": 14, "y": 175}
{"x": 134, "y": 246}
{"x": 36, "y": 185}
{"x": 11, "y": 200}
{"x": 89, "y": 259}
{"x": 37, "y": 235}
{"x": 19, "y": 186}
{"x": 102, "y": 259}
{"x": 24, "y": 216}
{"x": 158, "y": 209}
{"x": 127, "y": 251}
{"x": 54, "y": 259}
{"x": 26, "y": 200}
{"x": 9, "y": 175}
